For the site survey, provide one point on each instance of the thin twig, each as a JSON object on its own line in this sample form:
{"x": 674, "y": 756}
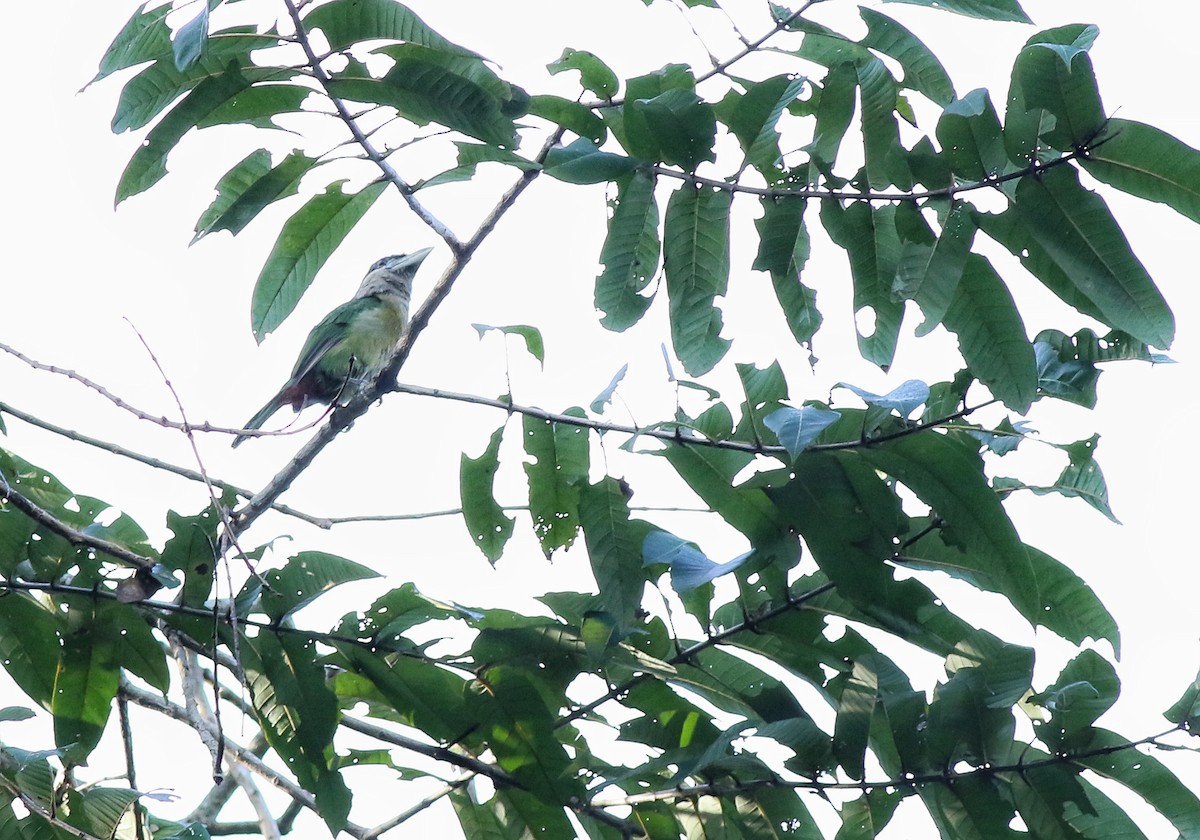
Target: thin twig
{"x": 947, "y": 777}
{"x": 364, "y": 142}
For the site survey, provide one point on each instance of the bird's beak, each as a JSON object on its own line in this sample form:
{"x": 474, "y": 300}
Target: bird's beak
{"x": 410, "y": 261}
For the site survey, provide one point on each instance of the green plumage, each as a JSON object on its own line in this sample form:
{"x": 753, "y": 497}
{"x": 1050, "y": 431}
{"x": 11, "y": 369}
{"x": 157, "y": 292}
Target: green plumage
{"x": 352, "y": 344}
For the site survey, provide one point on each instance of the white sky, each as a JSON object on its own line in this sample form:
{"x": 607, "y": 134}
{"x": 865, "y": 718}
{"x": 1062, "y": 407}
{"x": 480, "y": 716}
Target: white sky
{"x": 74, "y": 270}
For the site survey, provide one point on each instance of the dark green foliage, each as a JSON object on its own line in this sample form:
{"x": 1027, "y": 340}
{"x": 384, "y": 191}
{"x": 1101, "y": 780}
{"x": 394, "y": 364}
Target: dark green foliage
{"x": 848, "y": 518}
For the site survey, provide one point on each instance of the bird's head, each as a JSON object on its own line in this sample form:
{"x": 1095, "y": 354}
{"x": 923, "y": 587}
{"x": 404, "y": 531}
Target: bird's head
{"x": 393, "y": 275}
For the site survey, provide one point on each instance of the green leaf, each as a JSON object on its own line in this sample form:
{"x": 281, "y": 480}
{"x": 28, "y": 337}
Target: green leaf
{"x": 159, "y": 85}
{"x": 520, "y": 730}
{"x": 1081, "y": 478}
{"x": 306, "y": 241}
{"x": 1151, "y": 164}
{"x": 929, "y": 270}
{"x": 991, "y": 335}
{"x": 798, "y": 428}
{"x": 676, "y": 127}
{"x": 191, "y": 40}
{"x": 470, "y": 155}
{"x": 1063, "y": 376}
{"x": 594, "y": 74}
{"x": 1009, "y": 230}
{"x": 426, "y": 85}
{"x": 614, "y": 547}
{"x": 531, "y": 335}
{"x": 1076, "y": 228}
{"x": 630, "y": 253}
{"x": 834, "y": 112}
{"x": 259, "y": 105}
{"x": 484, "y": 518}
{"x": 696, "y": 262}
{"x": 250, "y": 186}
{"x": 690, "y": 568}
{"x": 85, "y": 683}
{"x": 783, "y": 249}
{"x": 148, "y": 164}
{"x": 557, "y": 477}
{"x": 754, "y": 117}
{"x": 347, "y": 22}
{"x": 1085, "y": 689}
{"x": 605, "y": 397}
{"x": 709, "y": 473}
{"x": 305, "y": 577}
{"x": 144, "y": 37}
{"x": 868, "y": 235}
{"x": 581, "y": 162}
{"x": 948, "y": 478}
{"x": 1069, "y": 607}
{"x": 885, "y": 159}
{"x": 570, "y": 115}
{"x": 970, "y": 136}
{"x": 855, "y": 706}
{"x": 986, "y": 9}
{"x": 922, "y": 70}
{"x": 29, "y": 645}
{"x": 1059, "y": 80}
{"x": 1146, "y": 776}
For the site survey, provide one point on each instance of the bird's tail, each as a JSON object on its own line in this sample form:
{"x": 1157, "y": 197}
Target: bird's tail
{"x": 260, "y": 417}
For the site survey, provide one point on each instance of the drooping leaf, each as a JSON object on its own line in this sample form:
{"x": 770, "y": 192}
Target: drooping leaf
{"x": 304, "y": 244}
{"x": 971, "y": 138}
{"x": 1059, "y": 80}
{"x": 886, "y": 162}
{"x": 922, "y": 70}
{"x": 605, "y": 397}
{"x": 489, "y": 527}
{"x": 148, "y": 164}
{"x": 614, "y": 543}
{"x": 696, "y": 262}
{"x": 991, "y": 335}
{"x": 191, "y": 40}
{"x": 783, "y": 249}
{"x": 630, "y": 253}
{"x": 753, "y": 120}
{"x": 1149, "y": 163}
{"x": 248, "y": 187}
{"x": 85, "y": 683}
{"x": 948, "y": 478}
{"x": 1076, "y": 228}
{"x": 868, "y": 235}
{"x": 557, "y": 477}
{"x": 930, "y": 270}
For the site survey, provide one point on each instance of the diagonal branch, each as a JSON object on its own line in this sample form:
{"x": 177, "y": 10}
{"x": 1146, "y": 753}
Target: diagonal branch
{"x": 360, "y": 137}
{"x": 70, "y": 534}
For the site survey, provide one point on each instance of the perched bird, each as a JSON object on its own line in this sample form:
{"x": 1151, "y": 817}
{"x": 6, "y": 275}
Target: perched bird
{"x": 352, "y": 343}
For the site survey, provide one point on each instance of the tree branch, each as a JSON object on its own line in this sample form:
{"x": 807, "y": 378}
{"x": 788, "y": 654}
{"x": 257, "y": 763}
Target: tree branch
{"x": 52, "y": 523}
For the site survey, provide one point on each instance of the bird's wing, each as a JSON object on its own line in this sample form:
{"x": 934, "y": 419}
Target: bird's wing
{"x": 324, "y": 336}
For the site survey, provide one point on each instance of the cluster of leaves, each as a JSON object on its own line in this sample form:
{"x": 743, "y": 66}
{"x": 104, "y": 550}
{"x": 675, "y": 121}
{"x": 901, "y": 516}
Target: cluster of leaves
{"x": 502, "y": 702}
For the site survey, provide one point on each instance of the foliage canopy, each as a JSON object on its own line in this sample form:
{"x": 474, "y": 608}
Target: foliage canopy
{"x": 850, "y": 507}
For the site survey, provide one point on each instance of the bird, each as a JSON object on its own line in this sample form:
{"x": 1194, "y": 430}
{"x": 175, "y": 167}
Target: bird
{"x": 351, "y": 344}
